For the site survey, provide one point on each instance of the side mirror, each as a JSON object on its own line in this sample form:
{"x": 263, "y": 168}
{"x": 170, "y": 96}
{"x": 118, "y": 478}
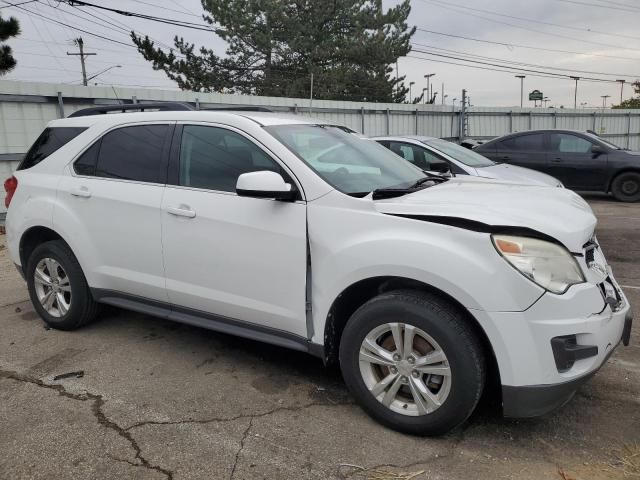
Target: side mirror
{"x": 597, "y": 150}
{"x": 264, "y": 184}
{"x": 440, "y": 166}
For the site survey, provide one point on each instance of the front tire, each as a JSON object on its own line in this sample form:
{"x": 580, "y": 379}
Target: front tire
{"x": 413, "y": 362}
{"x": 58, "y": 288}
{"x": 626, "y": 187}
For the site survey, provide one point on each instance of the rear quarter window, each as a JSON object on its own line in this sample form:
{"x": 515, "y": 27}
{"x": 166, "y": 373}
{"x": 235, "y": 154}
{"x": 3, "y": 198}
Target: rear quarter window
{"x": 50, "y": 140}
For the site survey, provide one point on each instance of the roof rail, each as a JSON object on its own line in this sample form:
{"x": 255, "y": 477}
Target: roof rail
{"x": 240, "y": 108}
{"x": 161, "y": 106}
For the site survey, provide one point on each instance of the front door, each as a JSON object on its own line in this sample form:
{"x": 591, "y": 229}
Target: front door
{"x": 572, "y": 162}
{"x": 236, "y": 257}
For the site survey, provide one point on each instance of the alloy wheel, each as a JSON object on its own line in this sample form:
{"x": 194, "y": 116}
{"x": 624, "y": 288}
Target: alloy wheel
{"x": 405, "y": 369}
{"x": 52, "y": 287}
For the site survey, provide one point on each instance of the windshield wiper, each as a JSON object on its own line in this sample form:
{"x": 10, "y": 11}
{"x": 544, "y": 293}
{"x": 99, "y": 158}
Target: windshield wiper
{"x": 382, "y": 193}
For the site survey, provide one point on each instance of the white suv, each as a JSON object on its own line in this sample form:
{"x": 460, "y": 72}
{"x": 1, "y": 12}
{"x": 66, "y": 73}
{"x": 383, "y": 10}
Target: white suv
{"x": 423, "y": 288}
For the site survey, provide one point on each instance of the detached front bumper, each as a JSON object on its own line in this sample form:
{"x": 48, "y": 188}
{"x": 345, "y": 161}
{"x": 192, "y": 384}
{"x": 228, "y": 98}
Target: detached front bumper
{"x": 546, "y": 352}
{"x": 536, "y": 400}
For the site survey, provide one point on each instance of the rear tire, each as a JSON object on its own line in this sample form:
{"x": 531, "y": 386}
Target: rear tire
{"x": 437, "y": 331}
{"x": 626, "y": 187}
{"x": 58, "y": 288}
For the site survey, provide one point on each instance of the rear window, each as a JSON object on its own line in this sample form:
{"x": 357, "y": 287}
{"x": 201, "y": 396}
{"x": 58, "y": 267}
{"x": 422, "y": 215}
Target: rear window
{"x": 50, "y": 140}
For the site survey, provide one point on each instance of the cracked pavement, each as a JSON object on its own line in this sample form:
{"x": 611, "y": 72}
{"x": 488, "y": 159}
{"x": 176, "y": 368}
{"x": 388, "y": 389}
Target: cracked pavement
{"x": 161, "y": 400}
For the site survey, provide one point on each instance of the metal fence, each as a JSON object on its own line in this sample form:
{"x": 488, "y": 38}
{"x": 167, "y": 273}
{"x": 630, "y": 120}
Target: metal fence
{"x": 25, "y": 108}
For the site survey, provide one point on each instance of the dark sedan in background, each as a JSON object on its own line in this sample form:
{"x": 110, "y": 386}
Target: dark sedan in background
{"x": 580, "y": 160}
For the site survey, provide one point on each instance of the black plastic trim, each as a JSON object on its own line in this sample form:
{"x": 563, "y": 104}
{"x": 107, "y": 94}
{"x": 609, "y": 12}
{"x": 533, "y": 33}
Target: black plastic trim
{"x": 536, "y": 400}
{"x": 626, "y": 331}
{"x": 209, "y": 321}
{"x": 566, "y": 351}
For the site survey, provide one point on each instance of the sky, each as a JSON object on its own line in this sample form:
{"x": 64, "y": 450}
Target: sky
{"x": 597, "y": 36}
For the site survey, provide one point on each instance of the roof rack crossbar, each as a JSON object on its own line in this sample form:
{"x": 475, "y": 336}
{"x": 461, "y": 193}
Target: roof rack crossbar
{"x": 104, "y": 109}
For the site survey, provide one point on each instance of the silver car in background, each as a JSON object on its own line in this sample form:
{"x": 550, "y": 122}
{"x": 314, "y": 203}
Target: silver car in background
{"x": 435, "y": 154}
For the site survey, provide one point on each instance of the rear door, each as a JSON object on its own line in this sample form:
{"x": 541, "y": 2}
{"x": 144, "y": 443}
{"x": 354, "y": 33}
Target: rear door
{"x": 237, "y": 257}
{"x": 572, "y": 162}
{"x": 526, "y": 150}
{"x": 109, "y": 209}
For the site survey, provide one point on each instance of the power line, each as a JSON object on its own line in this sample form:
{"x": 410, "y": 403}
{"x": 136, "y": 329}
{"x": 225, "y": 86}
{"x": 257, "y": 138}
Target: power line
{"x": 511, "y": 67}
{"x": 169, "y": 21}
{"x": 22, "y": 3}
{"x": 464, "y": 12}
{"x": 619, "y": 4}
{"x": 51, "y": 20}
{"x": 527, "y": 64}
{"x": 512, "y": 45}
{"x": 183, "y": 11}
{"x": 628, "y": 9}
{"x": 567, "y": 27}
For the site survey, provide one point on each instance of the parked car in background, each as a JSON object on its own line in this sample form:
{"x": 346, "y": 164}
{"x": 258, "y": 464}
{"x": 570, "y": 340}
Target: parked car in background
{"x": 580, "y": 160}
{"x": 287, "y": 230}
{"x": 436, "y": 155}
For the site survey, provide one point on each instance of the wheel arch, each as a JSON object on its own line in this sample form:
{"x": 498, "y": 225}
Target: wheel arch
{"x": 355, "y": 295}
{"x": 33, "y": 237}
{"x": 621, "y": 172}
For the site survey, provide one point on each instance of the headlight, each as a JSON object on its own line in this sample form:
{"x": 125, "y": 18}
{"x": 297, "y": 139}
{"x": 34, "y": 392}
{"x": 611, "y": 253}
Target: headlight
{"x": 547, "y": 264}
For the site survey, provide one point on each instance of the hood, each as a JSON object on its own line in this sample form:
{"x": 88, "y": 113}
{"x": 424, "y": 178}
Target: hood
{"x": 556, "y": 212}
{"x": 521, "y": 175}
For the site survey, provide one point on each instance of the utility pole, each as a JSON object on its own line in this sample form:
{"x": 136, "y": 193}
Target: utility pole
{"x": 410, "y": 97}
{"x": 604, "y": 100}
{"x": 428, "y": 76}
{"x": 424, "y": 95}
{"x": 462, "y": 130}
{"x": 521, "y": 77}
{"x": 622, "y": 82}
{"x": 575, "y": 95}
{"x": 80, "y": 44}
{"x": 442, "y": 94}
{"x": 311, "y": 95}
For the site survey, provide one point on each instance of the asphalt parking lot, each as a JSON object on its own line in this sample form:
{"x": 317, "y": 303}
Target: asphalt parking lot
{"x": 162, "y": 400}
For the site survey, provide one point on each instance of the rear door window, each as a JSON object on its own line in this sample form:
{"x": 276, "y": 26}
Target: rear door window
{"x": 50, "y": 140}
{"x": 133, "y": 153}
{"x": 522, "y": 143}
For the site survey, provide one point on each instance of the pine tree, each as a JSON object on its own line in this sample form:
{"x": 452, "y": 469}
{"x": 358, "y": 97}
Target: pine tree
{"x": 8, "y": 28}
{"x": 350, "y": 47}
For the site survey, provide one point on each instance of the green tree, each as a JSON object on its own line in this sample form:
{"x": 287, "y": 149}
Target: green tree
{"x": 633, "y": 102}
{"x": 8, "y": 28}
{"x": 274, "y": 46}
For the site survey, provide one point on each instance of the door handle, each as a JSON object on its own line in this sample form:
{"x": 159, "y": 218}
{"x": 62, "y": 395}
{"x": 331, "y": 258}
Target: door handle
{"x": 182, "y": 211}
{"x": 556, "y": 160}
{"x": 80, "y": 192}
{"x": 506, "y": 157}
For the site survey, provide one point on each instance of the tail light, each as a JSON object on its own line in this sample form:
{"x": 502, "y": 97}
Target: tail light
{"x": 10, "y": 186}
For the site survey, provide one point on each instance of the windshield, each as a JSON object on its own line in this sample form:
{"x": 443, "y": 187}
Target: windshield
{"x": 602, "y": 140}
{"x": 348, "y": 163}
{"x": 462, "y": 154}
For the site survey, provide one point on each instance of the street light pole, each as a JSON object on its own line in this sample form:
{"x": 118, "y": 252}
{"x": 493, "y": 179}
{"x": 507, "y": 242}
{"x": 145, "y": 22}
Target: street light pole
{"x": 622, "y": 82}
{"x": 103, "y": 71}
{"x": 521, "y": 77}
{"x": 428, "y": 76}
{"x": 575, "y": 95}
{"x": 604, "y": 100}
